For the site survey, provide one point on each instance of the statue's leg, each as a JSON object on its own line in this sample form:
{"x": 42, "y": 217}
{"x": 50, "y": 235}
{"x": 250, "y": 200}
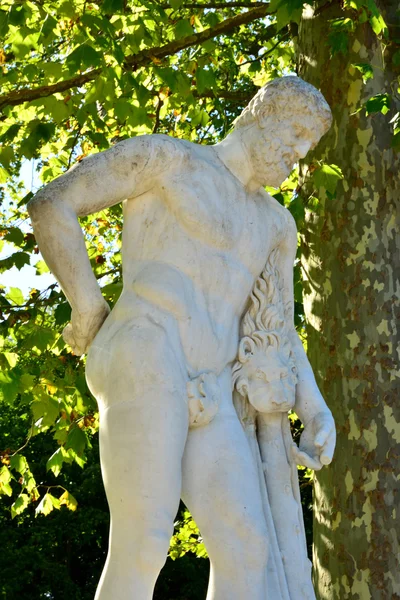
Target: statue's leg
{"x": 143, "y": 429}
{"x": 221, "y": 488}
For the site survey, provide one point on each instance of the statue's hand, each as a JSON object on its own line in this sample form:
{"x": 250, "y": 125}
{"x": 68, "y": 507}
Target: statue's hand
{"x": 317, "y": 442}
{"x": 82, "y": 329}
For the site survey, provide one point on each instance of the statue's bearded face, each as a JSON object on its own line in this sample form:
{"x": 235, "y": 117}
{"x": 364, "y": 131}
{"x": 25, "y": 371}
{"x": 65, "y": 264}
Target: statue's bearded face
{"x": 275, "y": 149}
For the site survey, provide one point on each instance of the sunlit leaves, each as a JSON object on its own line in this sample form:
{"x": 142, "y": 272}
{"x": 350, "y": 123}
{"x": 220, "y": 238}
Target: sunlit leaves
{"x": 379, "y": 103}
{"x": 186, "y": 539}
{"x": 20, "y": 504}
{"x": 68, "y": 500}
{"x": 4, "y": 175}
{"x": 19, "y": 463}
{"x": 396, "y": 131}
{"x": 8, "y": 386}
{"x": 365, "y": 69}
{"x": 286, "y": 11}
{"x": 47, "y": 504}
{"x": 5, "y": 479}
{"x": 338, "y": 38}
{"x": 56, "y": 461}
{"x": 327, "y": 177}
{"x": 15, "y": 295}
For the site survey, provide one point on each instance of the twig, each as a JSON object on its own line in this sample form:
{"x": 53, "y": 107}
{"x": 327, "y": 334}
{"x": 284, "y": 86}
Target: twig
{"x": 253, "y": 60}
{"x": 30, "y": 434}
{"x": 158, "y": 109}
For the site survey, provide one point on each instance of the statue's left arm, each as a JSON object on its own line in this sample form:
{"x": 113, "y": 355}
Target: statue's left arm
{"x": 319, "y": 437}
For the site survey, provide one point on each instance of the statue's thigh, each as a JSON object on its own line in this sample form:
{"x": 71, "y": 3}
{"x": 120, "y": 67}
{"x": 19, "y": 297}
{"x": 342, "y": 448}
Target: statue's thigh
{"x": 220, "y": 484}
{"x": 143, "y": 423}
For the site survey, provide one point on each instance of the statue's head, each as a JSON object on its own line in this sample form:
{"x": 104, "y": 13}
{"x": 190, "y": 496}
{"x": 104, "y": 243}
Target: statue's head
{"x": 265, "y": 372}
{"x": 284, "y": 120}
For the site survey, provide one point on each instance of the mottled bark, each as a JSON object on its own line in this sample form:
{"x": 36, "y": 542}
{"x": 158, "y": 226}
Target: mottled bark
{"x": 351, "y": 268}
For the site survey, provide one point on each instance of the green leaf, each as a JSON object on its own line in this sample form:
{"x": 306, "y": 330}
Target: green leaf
{"x": 205, "y": 80}
{"x": 5, "y": 478}
{"x": 59, "y": 111}
{"x": 76, "y": 440}
{"x": 175, "y": 4}
{"x": 40, "y": 133}
{"x": 43, "y": 338}
{"x": 20, "y": 505}
{"x": 55, "y": 462}
{"x": 41, "y": 267}
{"x": 15, "y": 236}
{"x": 19, "y": 463}
{"x": 11, "y": 358}
{"x": 26, "y": 382}
{"x": 5, "y": 475}
{"x": 111, "y": 7}
{"x": 46, "y": 410}
{"x": 62, "y": 314}
{"x": 286, "y": 11}
{"x": 15, "y": 295}
{"x": 183, "y": 28}
{"x": 8, "y": 386}
{"x": 96, "y": 91}
{"x": 20, "y": 259}
{"x": 377, "y": 21}
{"x": 29, "y": 482}
{"x": 379, "y": 103}
{"x": 4, "y": 175}
{"x": 365, "y": 69}
{"x": 47, "y": 505}
{"x": 69, "y": 501}
{"x": 327, "y": 177}
{"x": 296, "y": 208}
{"x": 83, "y": 57}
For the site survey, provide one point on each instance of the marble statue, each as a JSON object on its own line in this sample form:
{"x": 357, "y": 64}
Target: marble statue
{"x": 198, "y": 363}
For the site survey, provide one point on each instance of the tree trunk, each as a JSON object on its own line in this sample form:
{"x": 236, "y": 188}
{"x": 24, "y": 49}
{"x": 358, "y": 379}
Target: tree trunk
{"x": 351, "y": 270}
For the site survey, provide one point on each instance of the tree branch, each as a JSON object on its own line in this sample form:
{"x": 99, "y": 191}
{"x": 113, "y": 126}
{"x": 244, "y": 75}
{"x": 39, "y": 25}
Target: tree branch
{"x": 208, "y": 5}
{"x": 151, "y": 54}
{"x": 140, "y": 59}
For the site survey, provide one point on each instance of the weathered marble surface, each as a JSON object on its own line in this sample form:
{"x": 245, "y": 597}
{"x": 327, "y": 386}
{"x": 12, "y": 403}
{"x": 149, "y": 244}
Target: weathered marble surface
{"x": 199, "y": 229}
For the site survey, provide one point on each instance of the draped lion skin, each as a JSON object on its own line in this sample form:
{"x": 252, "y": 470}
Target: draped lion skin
{"x": 198, "y": 231}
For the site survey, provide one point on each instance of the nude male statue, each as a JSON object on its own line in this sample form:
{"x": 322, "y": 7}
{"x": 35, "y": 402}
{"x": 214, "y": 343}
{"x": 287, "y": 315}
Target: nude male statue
{"x": 198, "y": 231}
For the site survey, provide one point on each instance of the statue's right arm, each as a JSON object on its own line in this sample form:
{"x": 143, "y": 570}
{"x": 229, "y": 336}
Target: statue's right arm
{"x": 128, "y": 169}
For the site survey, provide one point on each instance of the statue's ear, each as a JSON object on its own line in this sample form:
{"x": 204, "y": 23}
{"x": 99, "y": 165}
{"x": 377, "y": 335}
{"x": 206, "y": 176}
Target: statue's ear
{"x": 242, "y": 386}
{"x": 246, "y": 349}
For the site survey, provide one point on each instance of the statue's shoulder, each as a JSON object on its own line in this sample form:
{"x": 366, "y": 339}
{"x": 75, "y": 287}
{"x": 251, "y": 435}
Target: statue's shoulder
{"x": 283, "y": 212}
{"x": 164, "y": 146}
{"x": 179, "y": 148}
{"x": 156, "y": 152}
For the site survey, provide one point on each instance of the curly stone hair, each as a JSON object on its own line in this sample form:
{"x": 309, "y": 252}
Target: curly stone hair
{"x": 264, "y": 324}
{"x": 287, "y": 96}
